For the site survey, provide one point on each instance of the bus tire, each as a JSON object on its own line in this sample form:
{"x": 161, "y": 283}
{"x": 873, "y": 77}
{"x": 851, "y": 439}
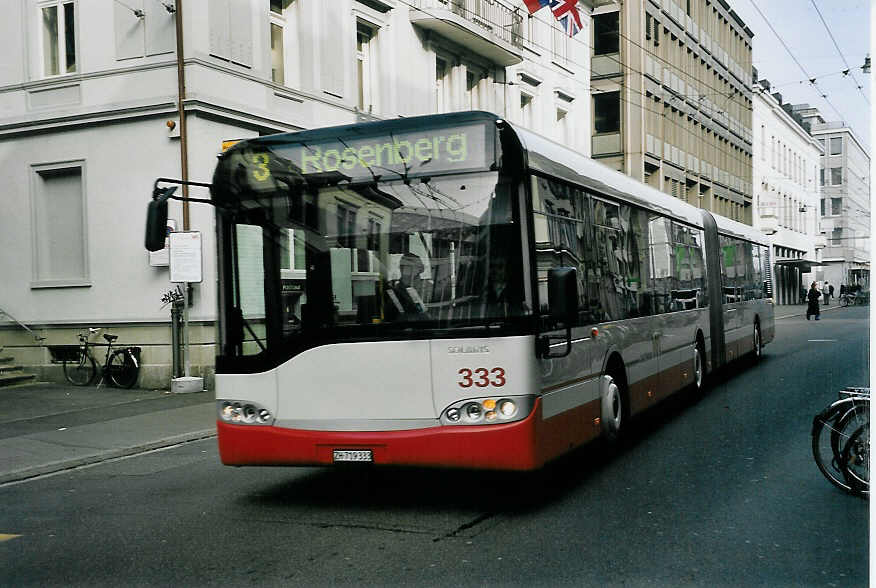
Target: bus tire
{"x": 613, "y": 405}
{"x": 757, "y": 352}
{"x": 699, "y": 367}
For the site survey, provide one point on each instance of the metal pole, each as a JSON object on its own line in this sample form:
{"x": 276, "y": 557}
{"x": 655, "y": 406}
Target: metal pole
{"x": 186, "y": 329}
{"x": 181, "y": 91}
{"x": 175, "y": 327}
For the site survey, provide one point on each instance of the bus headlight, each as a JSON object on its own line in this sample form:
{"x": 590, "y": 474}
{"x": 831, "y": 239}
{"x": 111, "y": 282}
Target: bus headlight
{"x": 244, "y": 413}
{"x": 488, "y": 411}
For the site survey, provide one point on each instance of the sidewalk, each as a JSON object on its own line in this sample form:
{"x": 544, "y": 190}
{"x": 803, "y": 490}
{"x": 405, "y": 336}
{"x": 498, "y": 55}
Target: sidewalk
{"x": 47, "y": 428}
{"x": 784, "y": 311}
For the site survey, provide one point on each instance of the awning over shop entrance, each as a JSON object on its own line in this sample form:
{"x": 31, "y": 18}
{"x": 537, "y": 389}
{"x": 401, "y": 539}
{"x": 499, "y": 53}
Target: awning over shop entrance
{"x": 804, "y": 265}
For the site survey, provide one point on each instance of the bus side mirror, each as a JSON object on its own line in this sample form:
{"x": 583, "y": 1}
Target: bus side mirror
{"x": 563, "y": 302}
{"x": 156, "y": 219}
{"x": 563, "y": 294}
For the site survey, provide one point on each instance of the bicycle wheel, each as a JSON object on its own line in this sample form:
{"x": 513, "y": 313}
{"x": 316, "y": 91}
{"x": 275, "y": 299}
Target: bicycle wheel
{"x": 855, "y": 460}
{"x": 823, "y": 446}
{"x": 831, "y": 430}
{"x": 122, "y": 369}
{"x": 81, "y": 371}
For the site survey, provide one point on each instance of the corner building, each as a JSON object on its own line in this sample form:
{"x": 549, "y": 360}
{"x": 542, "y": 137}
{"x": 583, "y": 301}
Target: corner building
{"x": 89, "y": 96}
{"x": 672, "y": 99}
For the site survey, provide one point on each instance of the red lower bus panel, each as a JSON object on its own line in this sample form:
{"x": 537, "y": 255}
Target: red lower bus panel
{"x": 503, "y": 447}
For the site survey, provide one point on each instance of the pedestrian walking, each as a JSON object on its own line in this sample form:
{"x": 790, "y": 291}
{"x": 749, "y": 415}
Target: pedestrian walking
{"x": 813, "y": 297}
{"x": 830, "y": 289}
{"x": 826, "y": 293}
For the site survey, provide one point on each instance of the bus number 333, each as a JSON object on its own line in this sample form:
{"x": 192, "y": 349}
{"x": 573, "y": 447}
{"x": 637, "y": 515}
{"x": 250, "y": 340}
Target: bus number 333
{"x": 481, "y": 377}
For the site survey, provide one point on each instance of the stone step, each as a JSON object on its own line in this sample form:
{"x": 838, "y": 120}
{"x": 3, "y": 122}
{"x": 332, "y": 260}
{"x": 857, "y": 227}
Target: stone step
{"x": 6, "y": 368}
{"x": 16, "y": 378}
{"x": 6, "y": 359}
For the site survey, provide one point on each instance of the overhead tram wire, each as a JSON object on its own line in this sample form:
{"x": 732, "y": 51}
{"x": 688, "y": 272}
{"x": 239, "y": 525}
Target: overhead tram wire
{"x": 730, "y": 155}
{"x": 742, "y": 104}
{"x": 848, "y": 69}
{"x": 716, "y": 91}
{"x": 812, "y": 80}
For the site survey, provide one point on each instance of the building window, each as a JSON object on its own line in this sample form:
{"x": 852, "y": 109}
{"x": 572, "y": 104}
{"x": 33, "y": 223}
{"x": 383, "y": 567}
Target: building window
{"x": 442, "y": 85}
{"x": 836, "y": 206}
{"x": 836, "y": 237}
{"x": 230, "y": 24}
{"x": 562, "y": 126}
{"x": 59, "y": 225}
{"x": 823, "y": 201}
{"x": 560, "y": 42}
{"x": 606, "y": 112}
{"x": 605, "y": 33}
{"x": 365, "y": 66}
{"x": 277, "y": 55}
{"x": 836, "y": 176}
{"x": 526, "y": 110}
{"x": 473, "y": 79}
{"x": 836, "y": 145}
{"x": 58, "y": 38}
{"x": 821, "y": 176}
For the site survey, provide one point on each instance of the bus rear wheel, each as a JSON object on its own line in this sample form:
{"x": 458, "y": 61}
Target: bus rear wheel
{"x": 613, "y": 408}
{"x": 699, "y": 368}
{"x": 757, "y": 353}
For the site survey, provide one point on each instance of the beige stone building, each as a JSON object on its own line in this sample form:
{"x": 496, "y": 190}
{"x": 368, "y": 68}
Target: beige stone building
{"x": 672, "y": 99}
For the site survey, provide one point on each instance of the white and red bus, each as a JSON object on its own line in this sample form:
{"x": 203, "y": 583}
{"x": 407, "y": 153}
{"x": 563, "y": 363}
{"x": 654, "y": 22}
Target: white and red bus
{"x": 454, "y": 291}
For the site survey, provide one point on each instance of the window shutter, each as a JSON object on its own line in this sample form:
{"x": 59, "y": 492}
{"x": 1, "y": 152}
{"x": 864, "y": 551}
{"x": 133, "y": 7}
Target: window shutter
{"x": 240, "y": 31}
{"x": 160, "y": 32}
{"x": 128, "y": 29}
{"x": 219, "y": 38}
{"x": 332, "y": 48}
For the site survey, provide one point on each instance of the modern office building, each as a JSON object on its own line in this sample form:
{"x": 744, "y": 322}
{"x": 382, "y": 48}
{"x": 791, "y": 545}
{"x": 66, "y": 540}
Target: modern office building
{"x": 844, "y": 176}
{"x": 97, "y": 102}
{"x": 786, "y": 192}
{"x": 671, "y": 91}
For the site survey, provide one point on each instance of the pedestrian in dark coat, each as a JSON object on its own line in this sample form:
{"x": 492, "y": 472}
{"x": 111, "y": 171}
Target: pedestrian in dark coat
{"x": 813, "y": 297}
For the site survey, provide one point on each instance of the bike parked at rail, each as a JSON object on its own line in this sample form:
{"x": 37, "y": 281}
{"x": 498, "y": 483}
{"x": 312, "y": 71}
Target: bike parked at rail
{"x": 841, "y": 441}
{"x": 121, "y": 365}
{"x": 854, "y": 298}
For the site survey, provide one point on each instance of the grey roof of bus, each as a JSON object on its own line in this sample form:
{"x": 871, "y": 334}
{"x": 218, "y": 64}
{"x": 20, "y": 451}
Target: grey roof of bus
{"x": 550, "y": 157}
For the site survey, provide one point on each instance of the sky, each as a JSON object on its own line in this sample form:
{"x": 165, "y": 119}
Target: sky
{"x": 809, "y": 42}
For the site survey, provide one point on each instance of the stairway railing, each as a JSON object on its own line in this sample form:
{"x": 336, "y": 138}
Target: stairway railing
{"x": 36, "y": 337}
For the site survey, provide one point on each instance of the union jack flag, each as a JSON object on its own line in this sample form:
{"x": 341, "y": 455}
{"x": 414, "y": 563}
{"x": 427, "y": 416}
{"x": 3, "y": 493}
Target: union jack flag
{"x": 566, "y": 11}
{"x": 534, "y": 6}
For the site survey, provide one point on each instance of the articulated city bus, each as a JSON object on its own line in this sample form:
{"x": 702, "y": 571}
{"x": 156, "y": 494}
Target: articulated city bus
{"x": 455, "y": 291}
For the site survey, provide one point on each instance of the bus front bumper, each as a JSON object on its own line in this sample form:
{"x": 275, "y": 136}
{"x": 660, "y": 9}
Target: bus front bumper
{"x": 510, "y": 446}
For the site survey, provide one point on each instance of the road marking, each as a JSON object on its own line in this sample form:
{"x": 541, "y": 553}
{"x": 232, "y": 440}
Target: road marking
{"x": 822, "y": 340}
{"x": 7, "y": 537}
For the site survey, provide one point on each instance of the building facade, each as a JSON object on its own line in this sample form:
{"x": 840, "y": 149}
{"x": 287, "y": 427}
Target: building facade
{"x": 97, "y": 103}
{"x": 844, "y": 176}
{"x": 787, "y": 192}
{"x": 672, "y": 99}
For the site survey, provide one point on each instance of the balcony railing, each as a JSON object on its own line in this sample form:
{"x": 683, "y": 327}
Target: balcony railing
{"x": 486, "y": 26}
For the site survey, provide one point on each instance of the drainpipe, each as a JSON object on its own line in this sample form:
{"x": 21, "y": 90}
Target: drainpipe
{"x": 181, "y": 91}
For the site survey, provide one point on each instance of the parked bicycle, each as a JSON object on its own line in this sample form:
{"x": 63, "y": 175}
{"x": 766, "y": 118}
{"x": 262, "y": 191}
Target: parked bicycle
{"x": 121, "y": 365}
{"x": 852, "y": 298}
{"x": 841, "y": 441}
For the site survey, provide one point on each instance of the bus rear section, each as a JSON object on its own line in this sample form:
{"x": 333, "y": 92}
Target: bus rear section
{"x": 465, "y": 403}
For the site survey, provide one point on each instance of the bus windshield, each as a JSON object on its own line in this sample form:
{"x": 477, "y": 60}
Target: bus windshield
{"x": 329, "y": 259}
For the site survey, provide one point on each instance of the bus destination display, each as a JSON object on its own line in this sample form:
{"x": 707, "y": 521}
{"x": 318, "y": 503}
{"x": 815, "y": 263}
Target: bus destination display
{"x": 409, "y": 154}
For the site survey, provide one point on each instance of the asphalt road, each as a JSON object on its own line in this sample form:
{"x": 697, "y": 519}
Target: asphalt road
{"x": 721, "y": 491}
